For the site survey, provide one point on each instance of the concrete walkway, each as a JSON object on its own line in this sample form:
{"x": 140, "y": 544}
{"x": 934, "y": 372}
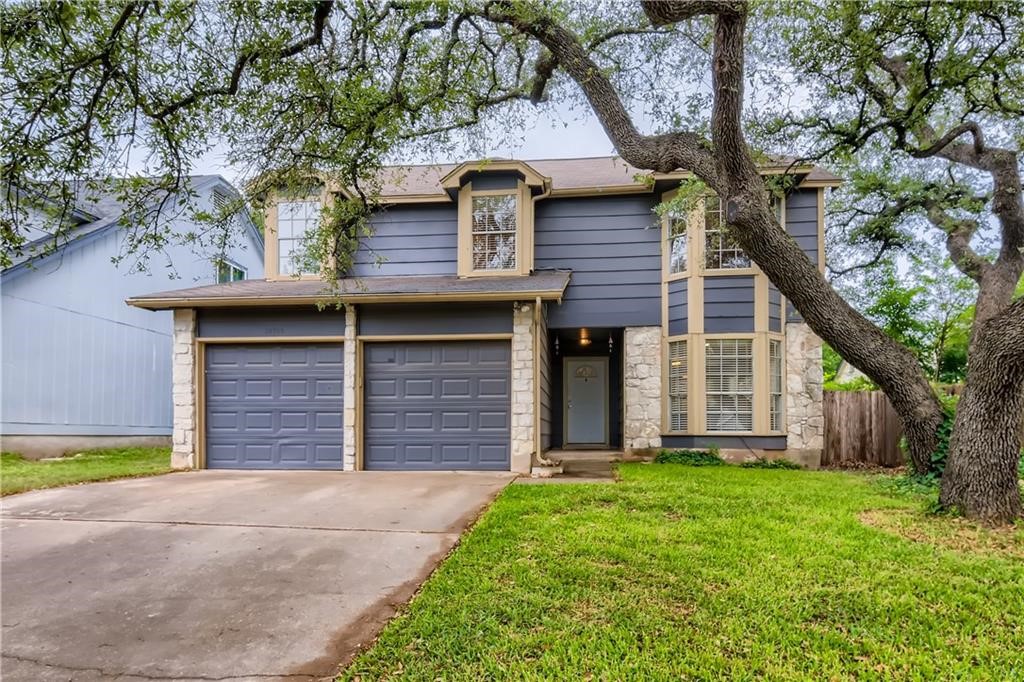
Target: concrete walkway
{"x": 220, "y": 575}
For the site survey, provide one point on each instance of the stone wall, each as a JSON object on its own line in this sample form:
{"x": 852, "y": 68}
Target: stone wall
{"x": 522, "y": 388}
{"x": 805, "y": 420}
{"x": 349, "y": 391}
{"x": 642, "y": 388}
{"x": 183, "y": 381}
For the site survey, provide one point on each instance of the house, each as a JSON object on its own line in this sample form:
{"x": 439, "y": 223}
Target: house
{"x": 502, "y": 310}
{"x": 81, "y": 369}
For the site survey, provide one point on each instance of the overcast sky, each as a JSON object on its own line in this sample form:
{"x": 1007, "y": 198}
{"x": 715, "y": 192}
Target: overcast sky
{"x": 562, "y": 133}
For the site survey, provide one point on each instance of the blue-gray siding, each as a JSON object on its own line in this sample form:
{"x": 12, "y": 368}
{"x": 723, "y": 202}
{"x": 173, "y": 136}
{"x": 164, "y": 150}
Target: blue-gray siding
{"x": 489, "y": 181}
{"x": 431, "y": 406}
{"x": 410, "y": 239}
{"x": 613, "y": 247}
{"x": 236, "y": 322}
{"x": 76, "y": 359}
{"x": 444, "y": 318}
{"x": 271, "y": 406}
{"x": 678, "y": 312}
{"x": 774, "y": 309}
{"x": 802, "y": 223}
{"x": 728, "y": 304}
{"x": 727, "y": 442}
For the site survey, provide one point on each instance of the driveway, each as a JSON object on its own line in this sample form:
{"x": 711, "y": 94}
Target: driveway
{"x": 220, "y": 575}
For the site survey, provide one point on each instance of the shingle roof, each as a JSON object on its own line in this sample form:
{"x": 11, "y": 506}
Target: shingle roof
{"x": 548, "y": 284}
{"x": 600, "y": 172}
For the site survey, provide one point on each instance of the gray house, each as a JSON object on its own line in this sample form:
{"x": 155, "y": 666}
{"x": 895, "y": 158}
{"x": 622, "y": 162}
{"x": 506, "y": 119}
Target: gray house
{"x": 79, "y": 368}
{"x": 502, "y": 310}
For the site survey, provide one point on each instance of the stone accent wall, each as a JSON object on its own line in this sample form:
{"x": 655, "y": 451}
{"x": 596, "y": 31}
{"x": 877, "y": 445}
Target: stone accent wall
{"x": 522, "y": 388}
{"x": 805, "y": 420}
{"x": 642, "y": 388}
{"x": 183, "y": 382}
{"x": 349, "y": 391}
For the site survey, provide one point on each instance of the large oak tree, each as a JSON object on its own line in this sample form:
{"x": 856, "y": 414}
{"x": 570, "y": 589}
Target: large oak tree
{"x": 296, "y": 88}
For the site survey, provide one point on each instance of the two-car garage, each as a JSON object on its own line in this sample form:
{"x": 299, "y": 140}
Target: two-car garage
{"x": 425, "y": 404}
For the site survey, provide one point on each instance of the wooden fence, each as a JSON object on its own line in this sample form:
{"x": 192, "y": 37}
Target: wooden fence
{"x": 861, "y": 427}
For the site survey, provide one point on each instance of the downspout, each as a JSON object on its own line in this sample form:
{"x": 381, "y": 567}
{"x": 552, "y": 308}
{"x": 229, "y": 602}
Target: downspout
{"x": 541, "y": 460}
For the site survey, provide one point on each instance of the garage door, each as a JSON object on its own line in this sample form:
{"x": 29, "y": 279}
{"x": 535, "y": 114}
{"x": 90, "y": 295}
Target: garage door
{"x": 433, "y": 406}
{"x": 274, "y": 406}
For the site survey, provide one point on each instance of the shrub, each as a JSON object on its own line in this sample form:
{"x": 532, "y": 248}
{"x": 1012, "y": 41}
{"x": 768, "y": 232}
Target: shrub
{"x": 694, "y": 458}
{"x": 761, "y": 463}
{"x": 858, "y": 384}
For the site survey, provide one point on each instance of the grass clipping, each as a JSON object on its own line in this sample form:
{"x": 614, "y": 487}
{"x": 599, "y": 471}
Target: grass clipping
{"x": 949, "y": 532}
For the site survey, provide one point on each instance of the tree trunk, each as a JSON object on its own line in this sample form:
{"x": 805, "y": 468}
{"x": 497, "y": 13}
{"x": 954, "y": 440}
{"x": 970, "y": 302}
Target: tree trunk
{"x": 981, "y": 477}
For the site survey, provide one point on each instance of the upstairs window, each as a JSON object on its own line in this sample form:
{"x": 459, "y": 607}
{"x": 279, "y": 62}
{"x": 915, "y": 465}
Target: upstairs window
{"x": 295, "y": 220}
{"x": 494, "y": 231}
{"x": 721, "y": 251}
{"x": 677, "y": 244}
{"x": 229, "y": 272}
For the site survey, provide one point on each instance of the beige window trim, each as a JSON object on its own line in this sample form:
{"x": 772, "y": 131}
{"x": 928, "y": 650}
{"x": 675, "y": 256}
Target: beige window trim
{"x": 272, "y": 246}
{"x": 524, "y": 231}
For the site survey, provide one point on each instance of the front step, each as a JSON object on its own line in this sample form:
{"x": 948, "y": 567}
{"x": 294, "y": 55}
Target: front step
{"x": 591, "y": 465}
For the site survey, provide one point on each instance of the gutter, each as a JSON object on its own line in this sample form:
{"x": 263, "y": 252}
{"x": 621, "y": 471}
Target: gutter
{"x": 251, "y": 301}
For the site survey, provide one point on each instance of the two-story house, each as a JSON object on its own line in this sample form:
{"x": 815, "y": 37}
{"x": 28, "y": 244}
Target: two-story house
{"x": 500, "y": 310}
{"x": 79, "y": 368}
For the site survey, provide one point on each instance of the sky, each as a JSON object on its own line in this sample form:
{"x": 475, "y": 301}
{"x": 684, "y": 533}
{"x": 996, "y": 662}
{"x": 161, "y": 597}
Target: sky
{"x": 558, "y": 133}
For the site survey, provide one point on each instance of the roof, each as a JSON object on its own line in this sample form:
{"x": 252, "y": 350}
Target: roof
{"x": 103, "y": 211}
{"x": 570, "y": 176}
{"x": 547, "y": 284}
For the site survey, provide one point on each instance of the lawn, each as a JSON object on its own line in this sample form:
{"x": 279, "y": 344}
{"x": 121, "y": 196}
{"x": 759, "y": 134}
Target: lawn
{"x": 18, "y": 475}
{"x": 711, "y": 573}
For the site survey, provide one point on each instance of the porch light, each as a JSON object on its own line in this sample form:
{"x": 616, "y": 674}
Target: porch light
{"x": 584, "y": 337}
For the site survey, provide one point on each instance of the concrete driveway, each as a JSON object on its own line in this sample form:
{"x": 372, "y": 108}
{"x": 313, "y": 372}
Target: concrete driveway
{"x": 220, "y": 575}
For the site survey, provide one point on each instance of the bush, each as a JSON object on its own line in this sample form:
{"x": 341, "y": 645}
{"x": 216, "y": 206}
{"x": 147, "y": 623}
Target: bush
{"x": 760, "y": 463}
{"x": 858, "y": 384}
{"x": 693, "y": 458}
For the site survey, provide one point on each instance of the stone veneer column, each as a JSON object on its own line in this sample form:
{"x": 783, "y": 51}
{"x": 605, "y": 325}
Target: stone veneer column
{"x": 805, "y": 419}
{"x": 349, "y": 391}
{"x": 641, "y": 383}
{"x": 183, "y": 382}
{"x": 522, "y": 388}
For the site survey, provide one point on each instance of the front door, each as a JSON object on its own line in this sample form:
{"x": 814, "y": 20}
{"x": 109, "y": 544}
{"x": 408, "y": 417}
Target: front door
{"x": 586, "y": 401}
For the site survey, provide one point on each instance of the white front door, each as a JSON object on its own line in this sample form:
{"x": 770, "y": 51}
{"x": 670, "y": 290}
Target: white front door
{"x": 586, "y": 401}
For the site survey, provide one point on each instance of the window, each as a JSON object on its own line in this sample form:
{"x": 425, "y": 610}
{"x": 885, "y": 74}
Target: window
{"x": 729, "y": 373}
{"x": 721, "y": 251}
{"x": 494, "y": 232}
{"x": 676, "y": 244}
{"x": 677, "y": 389}
{"x": 229, "y": 272}
{"x": 295, "y": 219}
{"x": 775, "y": 385}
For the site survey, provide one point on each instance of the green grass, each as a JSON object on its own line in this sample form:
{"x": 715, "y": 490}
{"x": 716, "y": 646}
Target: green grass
{"x": 707, "y": 573}
{"x": 18, "y": 475}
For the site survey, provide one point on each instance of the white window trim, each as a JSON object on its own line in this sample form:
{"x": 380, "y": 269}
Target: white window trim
{"x": 232, "y": 264}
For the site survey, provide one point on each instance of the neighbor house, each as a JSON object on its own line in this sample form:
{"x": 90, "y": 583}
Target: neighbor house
{"x": 81, "y": 369}
{"x": 500, "y": 311}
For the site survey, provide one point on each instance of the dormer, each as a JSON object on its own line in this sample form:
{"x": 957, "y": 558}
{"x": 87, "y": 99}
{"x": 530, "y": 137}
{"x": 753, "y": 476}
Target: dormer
{"x": 496, "y": 200}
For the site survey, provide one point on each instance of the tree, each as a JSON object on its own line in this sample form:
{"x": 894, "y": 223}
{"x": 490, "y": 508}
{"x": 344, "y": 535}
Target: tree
{"x": 926, "y": 99}
{"x": 331, "y": 89}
